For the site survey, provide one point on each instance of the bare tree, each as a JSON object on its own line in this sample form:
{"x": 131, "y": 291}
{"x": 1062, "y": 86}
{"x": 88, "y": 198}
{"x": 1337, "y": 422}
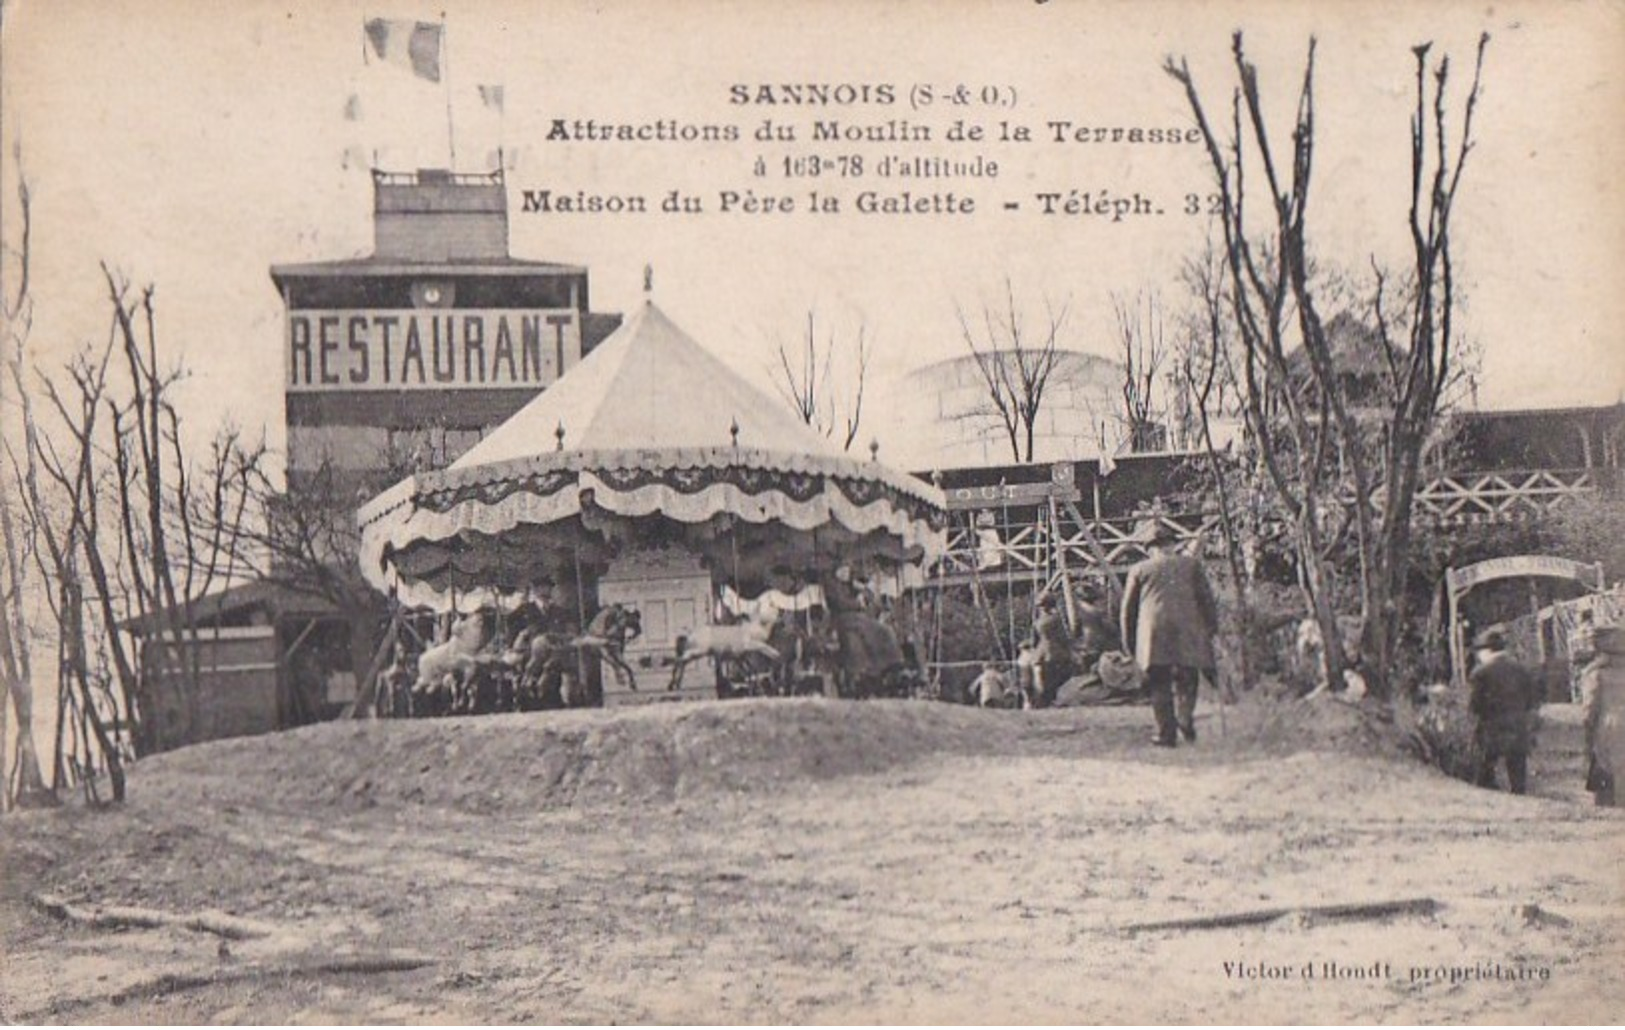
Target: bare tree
{"x": 1144, "y": 350}
{"x": 66, "y": 531}
{"x": 1015, "y": 365}
{"x": 825, "y": 395}
{"x": 1302, "y": 425}
{"x": 1206, "y": 378}
{"x": 21, "y": 781}
{"x": 130, "y": 530}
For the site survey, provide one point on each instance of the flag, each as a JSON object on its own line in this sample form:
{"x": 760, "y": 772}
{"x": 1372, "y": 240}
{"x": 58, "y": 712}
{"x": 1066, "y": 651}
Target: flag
{"x": 352, "y": 108}
{"x": 413, "y": 45}
{"x": 1108, "y": 464}
{"x": 491, "y": 96}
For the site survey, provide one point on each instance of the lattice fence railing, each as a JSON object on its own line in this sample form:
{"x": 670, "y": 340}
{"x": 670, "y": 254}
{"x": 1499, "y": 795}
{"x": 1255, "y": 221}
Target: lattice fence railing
{"x": 1026, "y": 543}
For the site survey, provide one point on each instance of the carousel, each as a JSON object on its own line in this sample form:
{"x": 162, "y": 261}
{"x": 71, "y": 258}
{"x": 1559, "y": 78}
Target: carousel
{"x": 641, "y": 526}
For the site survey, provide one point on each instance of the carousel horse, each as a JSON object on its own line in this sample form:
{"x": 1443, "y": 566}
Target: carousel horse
{"x": 395, "y": 686}
{"x": 456, "y": 656}
{"x": 806, "y": 656}
{"x": 869, "y": 659}
{"x": 538, "y": 661}
{"x": 726, "y": 643}
{"x": 615, "y": 626}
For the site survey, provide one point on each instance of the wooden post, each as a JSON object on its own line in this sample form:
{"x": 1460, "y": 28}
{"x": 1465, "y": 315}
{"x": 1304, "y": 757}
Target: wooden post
{"x": 1058, "y": 545}
{"x": 1098, "y": 551}
{"x": 1456, "y": 665}
{"x": 1534, "y": 613}
{"x": 366, "y": 693}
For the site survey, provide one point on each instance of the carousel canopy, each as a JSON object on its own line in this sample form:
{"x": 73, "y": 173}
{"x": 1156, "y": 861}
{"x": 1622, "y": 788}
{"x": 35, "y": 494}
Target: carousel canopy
{"x": 649, "y": 385}
{"x": 650, "y": 442}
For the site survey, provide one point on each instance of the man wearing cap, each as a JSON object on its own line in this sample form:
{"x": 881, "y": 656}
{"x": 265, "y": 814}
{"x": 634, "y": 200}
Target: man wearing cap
{"x": 1602, "y": 693}
{"x": 1168, "y": 620}
{"x": 1503, "y": 700}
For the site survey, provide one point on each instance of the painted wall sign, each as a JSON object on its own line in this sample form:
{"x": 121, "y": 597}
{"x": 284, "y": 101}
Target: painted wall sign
{"x": 973, "y": 497}
{"x": 426, "y": 349}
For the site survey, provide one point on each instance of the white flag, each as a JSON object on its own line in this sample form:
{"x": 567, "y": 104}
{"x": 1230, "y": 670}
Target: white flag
{"x": 413, "y": 45}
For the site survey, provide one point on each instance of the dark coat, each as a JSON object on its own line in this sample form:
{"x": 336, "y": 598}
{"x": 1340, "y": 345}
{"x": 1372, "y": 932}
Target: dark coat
{"x": 841, "y": 598}
{"x": 1053, "y": 638}
{"x": 1602, "y": 690}
{"x": 1504, "y": 696}
{"x": 1169, "y": 612}
{"x": 1095, "y": 632}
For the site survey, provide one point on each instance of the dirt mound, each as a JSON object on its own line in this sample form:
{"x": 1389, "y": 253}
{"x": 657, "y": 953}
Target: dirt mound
{"x": 1271, "y": 725}
{"x": 549, "y": 760}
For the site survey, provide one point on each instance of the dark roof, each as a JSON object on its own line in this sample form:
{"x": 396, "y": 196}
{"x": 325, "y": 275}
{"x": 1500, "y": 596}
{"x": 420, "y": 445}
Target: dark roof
{"x": 377, "y": 266}
{"x": 222, "y": 606}
{"x": 1597, "y": 411}
{"x": 1355, "y": 348}
{"x": 1533, "y": 438}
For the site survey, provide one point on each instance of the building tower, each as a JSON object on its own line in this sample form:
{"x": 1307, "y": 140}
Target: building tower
{"x": 419, "y": 349}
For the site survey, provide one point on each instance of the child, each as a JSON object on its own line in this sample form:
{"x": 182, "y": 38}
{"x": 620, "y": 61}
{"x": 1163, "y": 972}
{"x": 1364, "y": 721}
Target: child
{"x": 991, "y": 689}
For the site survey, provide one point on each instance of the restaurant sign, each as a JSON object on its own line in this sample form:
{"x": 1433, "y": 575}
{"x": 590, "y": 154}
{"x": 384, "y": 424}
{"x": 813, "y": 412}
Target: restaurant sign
{"x": 430, "y": 349}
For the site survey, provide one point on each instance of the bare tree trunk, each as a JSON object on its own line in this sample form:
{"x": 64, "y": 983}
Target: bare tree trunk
{"x": 73, "y": 630}
{"x": 31, "y": 790}
{"x": 1298, "y": 410}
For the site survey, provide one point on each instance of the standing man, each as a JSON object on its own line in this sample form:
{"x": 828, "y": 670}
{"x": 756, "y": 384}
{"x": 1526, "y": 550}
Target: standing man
{"x": 1582, "y": 648}
{"x": 1054, "y": 663}
{"x": 1503, "y": 700}
{"x": 1602, "y": 691}
{"x": 1096, "y": 631}
{"x": 1168, "y": 621}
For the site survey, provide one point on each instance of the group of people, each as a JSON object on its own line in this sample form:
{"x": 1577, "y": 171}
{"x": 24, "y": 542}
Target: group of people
{"x": 1169, "y": 618}
{"x": 1167, "y": 622}
{"x": 1505, "y": 696}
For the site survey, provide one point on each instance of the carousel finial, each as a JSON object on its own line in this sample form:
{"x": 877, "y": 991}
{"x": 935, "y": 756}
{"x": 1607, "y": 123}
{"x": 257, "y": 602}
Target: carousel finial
{"x": 733, "y": 430}
{"x": 874, "y": 448}
{"x": 558, "y": 434}
{"x": 648, "y": 281}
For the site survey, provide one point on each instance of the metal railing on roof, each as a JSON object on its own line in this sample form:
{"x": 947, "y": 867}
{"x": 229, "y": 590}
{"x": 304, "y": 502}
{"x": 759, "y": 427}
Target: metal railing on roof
{"x": 436, "y": 177}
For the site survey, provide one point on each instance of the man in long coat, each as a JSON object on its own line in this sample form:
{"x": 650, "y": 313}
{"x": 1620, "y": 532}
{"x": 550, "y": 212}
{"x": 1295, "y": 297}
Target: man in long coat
{"x": 1602, "y": 692}
{"x": 1168, "y": 620}
{"x": 1504, "y": 697}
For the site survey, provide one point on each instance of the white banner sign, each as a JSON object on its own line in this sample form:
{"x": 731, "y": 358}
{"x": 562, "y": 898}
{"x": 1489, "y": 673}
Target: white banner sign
{"x": 430, "y": 349}
{"x": 1459, "y": 580}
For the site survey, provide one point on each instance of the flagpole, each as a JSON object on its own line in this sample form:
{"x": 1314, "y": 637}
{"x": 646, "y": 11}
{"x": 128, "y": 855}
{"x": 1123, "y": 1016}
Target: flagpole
{"x": 445, "y": 65}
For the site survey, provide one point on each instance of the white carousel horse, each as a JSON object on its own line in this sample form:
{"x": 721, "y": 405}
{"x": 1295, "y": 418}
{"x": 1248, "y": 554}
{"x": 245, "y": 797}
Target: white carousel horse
{"x": 457, "y": 656}
{"x": 740, "y": 640}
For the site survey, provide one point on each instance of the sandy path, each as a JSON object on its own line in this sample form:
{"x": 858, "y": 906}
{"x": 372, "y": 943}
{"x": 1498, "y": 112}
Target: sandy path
{"x": 990, "y": 887}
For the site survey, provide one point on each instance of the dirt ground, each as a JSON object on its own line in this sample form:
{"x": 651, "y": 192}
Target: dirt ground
{"x": 819, "y": 861}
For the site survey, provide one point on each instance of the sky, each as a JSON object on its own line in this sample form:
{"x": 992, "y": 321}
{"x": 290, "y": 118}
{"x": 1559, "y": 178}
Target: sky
{"x": 193, "y": 145}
